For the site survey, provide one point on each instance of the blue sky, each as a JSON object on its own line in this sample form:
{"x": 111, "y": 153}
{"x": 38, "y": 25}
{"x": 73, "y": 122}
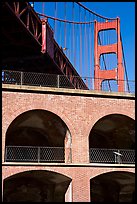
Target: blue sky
{"x": 124, "y": 10}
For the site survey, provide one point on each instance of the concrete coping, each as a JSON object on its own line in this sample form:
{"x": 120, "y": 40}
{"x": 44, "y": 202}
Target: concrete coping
{"x": 67, "y": 91}
{"x": 68, "y": 164}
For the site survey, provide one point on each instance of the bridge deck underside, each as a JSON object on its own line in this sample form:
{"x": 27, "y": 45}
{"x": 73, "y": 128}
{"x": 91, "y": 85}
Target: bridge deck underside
{"x": 20, "y": 49}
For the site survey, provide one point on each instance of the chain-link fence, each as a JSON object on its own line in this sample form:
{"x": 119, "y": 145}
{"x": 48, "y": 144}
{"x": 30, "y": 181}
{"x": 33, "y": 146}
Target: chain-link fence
{"x": 124, "y": 156}
{"x": 59, "y": 81}
{"x": 35, "y": 79}
{"x": 34, "y": 154}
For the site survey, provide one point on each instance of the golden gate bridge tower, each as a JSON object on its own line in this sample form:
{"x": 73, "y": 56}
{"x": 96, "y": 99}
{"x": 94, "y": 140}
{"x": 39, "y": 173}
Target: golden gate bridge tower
{"x": 118, "y": 72}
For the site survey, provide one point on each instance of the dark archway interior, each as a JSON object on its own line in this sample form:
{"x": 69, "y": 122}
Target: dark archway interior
{"x": 113, "y": 187}
{"x": 37, "y": 128}
{"x": 113, "y": 131}
{"x": 36, "y": 186}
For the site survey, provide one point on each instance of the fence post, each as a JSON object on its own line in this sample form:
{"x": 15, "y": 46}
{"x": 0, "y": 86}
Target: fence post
{"x": 5, "y": 157}
{"x": 58, "y": 81}
{"x": 38, "y": 154}
{"x": 117, "y": 157}
{"x": 21, "y": 78}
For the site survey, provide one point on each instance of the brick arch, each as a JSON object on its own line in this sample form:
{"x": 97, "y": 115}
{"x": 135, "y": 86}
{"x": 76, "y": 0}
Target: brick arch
{"x": 55, "y": 111}
{"x": 109, "y": 170}
{"x": 10, "y": 172}
{"x": 45, "y": 172}
{"x": 98, "y": 117}
{"x": 19, "y": 171}
{"x": 95, "y": 120}
{"x": 110, "y": 185}
{"x": 62, "y": 116}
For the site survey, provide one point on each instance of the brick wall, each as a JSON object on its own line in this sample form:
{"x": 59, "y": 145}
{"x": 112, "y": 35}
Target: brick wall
{"x": 79, "y": 113}
{"x": 80, "y": 176}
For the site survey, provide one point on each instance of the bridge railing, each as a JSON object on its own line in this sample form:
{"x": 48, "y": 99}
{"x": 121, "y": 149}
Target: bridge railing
{"x": 119, "y": 156}
{"x": 58, "y": 81}
{"x": 34, "y": 154}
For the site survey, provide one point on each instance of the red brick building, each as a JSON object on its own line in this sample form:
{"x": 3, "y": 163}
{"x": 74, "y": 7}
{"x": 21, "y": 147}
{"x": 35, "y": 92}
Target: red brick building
{"x": 61, "y": 144}
{"x": 84, "y": 131}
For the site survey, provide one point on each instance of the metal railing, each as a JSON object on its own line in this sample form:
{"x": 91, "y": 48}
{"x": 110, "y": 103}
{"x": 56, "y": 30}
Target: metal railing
{"x": 34, "y": 154}
{"x": 57, "y": 154}
{"x": 58, "y": 81}
{"x": 117, "y": 156}
{"x": 35, "y": 79}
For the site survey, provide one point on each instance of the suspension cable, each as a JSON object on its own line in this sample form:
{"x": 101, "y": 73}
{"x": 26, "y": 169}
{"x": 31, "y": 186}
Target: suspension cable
{"x": 65, "y": 21}
{"x": 94, "y": 12}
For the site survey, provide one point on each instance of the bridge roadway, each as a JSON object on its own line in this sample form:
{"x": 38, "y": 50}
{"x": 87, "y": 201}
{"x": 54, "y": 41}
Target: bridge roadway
{"x": 28, "y": 44}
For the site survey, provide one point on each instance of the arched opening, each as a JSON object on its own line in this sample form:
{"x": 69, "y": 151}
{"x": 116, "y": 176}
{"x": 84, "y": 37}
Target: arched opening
{"x": 110, "y": 187}
{"x": 112, "y": 140}
{"x": 109, "y": 85}
{"x": 109, "y": 61}
{"x": 36, "y": 186}
{"x": 38, "y": 136}
{"x": 107, "y": 37}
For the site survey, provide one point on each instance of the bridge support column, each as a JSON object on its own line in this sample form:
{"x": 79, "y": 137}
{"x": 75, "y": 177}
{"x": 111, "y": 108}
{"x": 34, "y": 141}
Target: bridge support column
{"x": 43, "y": 50}
{"x": 116, "y": 73}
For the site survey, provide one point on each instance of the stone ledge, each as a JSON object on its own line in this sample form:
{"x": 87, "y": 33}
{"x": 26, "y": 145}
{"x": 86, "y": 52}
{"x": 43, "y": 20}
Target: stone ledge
{"x": 69, "y": 164}
{"x": 67, "y": 91}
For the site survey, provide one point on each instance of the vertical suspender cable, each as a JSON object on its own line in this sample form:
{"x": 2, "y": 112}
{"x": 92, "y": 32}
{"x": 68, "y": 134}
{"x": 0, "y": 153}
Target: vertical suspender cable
{"x": 75, "y": 43}
{"x": 80, "y": 46}
{"x": 90, "y": 52}
{"x": 69, "y": 40}
{"x": 56, "y": 22}
{"x": 79, "y": 42}
{"x": 73, "y": 34}
{"x": 65, "y": 27}
{"x": 60, "y": 34}
{"x": 85, "y": 44}
{"x": 86, "y": 50}
{"x": 107, "y": 55}
{"x": 76, "y": 47}
{"x": 72, "y": 37}
{"x": 125, "y": 65}
{"x": 93, "y": 55}
{"x": 43, "y": 7}
{"x": 117, "y": 53}
{"x": 55, "y": 17}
